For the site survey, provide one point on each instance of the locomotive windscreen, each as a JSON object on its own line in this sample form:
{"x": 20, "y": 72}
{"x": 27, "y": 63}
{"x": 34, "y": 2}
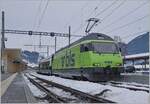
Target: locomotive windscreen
{"x": 105, "y": 47}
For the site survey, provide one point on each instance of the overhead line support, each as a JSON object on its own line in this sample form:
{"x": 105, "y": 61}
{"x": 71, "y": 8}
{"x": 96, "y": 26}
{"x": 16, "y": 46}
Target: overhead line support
{"x": 52, "y": 34}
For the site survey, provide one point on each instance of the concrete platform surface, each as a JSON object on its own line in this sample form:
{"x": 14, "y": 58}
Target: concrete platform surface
{"x": 18, "y": 92}
{"x": 5, "y": 76}
{"x": 5, "y": 83}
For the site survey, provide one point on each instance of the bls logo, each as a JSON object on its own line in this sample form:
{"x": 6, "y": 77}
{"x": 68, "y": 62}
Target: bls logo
{"x": 68, "y": 59}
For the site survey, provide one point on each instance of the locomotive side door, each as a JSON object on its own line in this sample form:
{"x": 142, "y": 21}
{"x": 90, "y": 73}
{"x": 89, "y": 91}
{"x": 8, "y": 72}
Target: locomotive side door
{"x": 82, "y": 55}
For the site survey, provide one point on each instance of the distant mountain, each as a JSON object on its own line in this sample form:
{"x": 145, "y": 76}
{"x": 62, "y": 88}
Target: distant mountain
{"x": 139, "y": 44}
{"x": 31, "y": 57}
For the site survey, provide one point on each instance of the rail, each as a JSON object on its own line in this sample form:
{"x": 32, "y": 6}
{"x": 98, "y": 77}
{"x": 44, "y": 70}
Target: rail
{"x": 115, "y": 84}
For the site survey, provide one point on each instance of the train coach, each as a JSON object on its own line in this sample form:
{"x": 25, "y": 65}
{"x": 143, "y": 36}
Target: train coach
{"x": 45, "y": 66}
{"x": 95, "y": 57}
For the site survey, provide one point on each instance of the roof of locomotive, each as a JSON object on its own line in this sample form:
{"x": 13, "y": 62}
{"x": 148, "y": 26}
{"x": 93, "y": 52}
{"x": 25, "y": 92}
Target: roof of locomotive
{"x": 91, "y": 36}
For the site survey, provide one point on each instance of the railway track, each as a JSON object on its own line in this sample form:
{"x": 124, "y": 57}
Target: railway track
{"x": 136, "y": 85}
{"x": 82, "y": 96}
{"x": 129, "y": 86}
{"x": 50, "y": 94}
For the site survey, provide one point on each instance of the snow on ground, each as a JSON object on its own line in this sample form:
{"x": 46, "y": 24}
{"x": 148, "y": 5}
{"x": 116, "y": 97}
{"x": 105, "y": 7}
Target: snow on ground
{"x": 119, "y": 95}
{"x": 36, "y": 92}
{"x": 61, "y": 93}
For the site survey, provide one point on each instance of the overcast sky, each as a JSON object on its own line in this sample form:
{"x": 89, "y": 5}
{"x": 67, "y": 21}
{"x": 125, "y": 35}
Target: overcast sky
{"x": 124, "y": 18}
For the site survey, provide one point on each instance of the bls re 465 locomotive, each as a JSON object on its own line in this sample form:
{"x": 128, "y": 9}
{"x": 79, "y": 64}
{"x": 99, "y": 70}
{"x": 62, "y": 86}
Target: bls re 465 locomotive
{"x": 93, "y": 57}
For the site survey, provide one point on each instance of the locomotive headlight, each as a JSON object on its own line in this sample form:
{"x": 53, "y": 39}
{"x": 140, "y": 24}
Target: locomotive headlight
{"x": 96, "y": 64}
{"x": 119, "y": 64}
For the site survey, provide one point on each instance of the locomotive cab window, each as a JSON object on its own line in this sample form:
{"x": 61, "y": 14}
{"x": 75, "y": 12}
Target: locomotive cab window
{"x": 85, "y": 47}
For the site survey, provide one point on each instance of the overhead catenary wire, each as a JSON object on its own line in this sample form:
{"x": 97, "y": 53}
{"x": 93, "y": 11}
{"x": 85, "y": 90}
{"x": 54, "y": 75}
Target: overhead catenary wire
{"x": 113, "y": 10}
{"x": 72, "y": 17}
{"x": 82, "y": 8}
{"x": 80, "y": 27}
{"x": 37, "y": 13}
{"x": 135, "y": 34}
{"x": 42, "y": 14}
{"x": 105, "y": 9}
{"x": 95, "y": 8}
{"x": 130, "y": 23}
{"x": 40, "y": 21}
{"x": 124, "y": 16}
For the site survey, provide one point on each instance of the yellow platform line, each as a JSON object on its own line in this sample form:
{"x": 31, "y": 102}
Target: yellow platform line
{"x": 5, "y": 84}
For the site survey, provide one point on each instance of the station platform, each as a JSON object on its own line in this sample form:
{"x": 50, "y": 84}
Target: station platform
{"x": 5, "y": 76}
{"x": 15, "y": 90}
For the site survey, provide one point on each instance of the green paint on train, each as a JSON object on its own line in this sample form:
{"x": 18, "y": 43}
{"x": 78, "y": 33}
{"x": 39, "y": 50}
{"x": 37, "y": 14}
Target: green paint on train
{"x": 93, "y": 51}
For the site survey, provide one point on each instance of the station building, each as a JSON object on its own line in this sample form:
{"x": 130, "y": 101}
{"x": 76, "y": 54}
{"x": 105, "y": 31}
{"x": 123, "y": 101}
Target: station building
{"x": 138, "y": 52}
{"x": 12, "y": 61}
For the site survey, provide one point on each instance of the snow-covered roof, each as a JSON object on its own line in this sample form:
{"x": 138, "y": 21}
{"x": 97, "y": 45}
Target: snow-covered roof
{"x": 45, "y": 59}
{"x": 32, "y": 65}
{"x": 137, "y": 55}
{"x": 24, "y": 60}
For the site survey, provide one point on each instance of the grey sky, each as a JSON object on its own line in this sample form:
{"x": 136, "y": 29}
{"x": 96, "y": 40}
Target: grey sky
{"x": 25, "y": 15}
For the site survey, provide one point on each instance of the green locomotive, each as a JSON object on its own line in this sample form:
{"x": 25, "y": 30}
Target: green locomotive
{"x": 94, "y": 57}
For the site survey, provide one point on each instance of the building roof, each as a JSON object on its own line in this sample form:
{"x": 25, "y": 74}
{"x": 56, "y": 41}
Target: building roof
{"x": 137, "y": 56}
{"x": 138, "y": 45}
